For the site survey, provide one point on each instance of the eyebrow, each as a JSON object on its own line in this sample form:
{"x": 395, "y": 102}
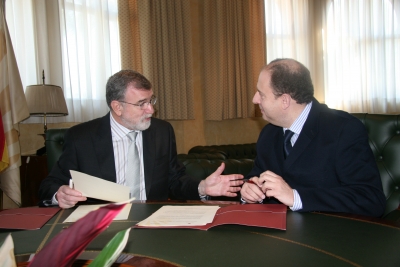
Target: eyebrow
{"x": 145, "y": 100}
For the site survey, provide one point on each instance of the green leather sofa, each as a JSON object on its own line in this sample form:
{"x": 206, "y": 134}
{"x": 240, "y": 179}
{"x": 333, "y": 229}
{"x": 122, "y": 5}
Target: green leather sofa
{"x": 384, "y": 139}
{"x": 237, "y": 151}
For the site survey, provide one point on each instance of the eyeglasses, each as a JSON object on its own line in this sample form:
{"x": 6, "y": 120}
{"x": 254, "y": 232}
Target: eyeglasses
{"x": 143, "y": 105}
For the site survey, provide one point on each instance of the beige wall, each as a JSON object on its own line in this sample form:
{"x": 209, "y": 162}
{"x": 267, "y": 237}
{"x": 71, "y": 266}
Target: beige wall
{"x": 189, "y": 133}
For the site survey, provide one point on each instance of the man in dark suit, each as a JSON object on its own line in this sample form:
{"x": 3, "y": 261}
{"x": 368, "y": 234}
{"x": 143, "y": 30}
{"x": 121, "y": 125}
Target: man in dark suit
{"x": 100, "y": 148}
{"x": 326, "y": 164}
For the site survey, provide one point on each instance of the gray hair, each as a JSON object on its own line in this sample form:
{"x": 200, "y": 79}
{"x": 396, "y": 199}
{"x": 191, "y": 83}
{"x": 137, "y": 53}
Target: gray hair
{"x": 117, "y": 84}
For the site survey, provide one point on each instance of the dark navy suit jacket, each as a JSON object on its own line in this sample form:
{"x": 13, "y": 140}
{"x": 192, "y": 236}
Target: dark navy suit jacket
{"x": 331, "y": 164}
{"x": 88, "y": 148}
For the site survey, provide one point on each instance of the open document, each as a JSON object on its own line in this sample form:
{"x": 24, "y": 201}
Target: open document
{"x": 181, "y": 216}
{"x": 94, "y": 187}
{"x": 205, "y": 217}
{"x": 82, "y": 210}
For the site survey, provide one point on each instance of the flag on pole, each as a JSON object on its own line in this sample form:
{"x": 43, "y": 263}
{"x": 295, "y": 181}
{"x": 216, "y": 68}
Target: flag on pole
{"x": 4, "y": 161}
{"x": 13, "y": 109}
{"x": 65, "y": 247}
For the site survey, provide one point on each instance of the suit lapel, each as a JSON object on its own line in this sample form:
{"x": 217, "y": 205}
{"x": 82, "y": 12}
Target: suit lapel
{"x": 102, "y": 143}
{"x": 309, "y": 131}
{"x": 149, "y": 154}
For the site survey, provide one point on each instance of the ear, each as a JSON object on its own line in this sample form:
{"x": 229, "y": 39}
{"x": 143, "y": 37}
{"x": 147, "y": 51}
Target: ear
{"x": 285, "y": 101}
{"x": 117, "y": 107}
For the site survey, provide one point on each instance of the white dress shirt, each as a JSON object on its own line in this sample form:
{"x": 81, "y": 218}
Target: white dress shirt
{"x": 296, "y": 127}
{"x": 121, "y": 142}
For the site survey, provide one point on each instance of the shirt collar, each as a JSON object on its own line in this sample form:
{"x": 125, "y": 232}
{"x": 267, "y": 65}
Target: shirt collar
{"x": 298, "y": 124}
{"x": 117, "y": 130}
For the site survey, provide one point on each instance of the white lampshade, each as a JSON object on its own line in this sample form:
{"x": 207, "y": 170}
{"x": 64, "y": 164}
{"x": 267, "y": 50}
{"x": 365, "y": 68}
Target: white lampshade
{"x": 46, "y": 100}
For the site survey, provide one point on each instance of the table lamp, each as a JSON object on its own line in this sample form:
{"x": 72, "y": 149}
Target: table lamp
{"x": 45, "y": 100}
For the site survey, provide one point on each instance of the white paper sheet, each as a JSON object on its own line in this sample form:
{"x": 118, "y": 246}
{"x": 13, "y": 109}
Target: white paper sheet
{"x": 181, "y": 216}
{"x": 82, "y": 210}
{"x": 91, "y": 186}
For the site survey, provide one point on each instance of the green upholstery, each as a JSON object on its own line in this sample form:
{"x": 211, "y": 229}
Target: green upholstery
{"x": 54, "y": 145}
{"x": 384, "y": 139}
{"x": 202, "y": 168}
{"x": 239, "y": 151}
{"x": 216, "y": 155}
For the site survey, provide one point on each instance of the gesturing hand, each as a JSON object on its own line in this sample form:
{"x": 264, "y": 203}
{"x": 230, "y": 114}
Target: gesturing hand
{"x": 221, "y": 185}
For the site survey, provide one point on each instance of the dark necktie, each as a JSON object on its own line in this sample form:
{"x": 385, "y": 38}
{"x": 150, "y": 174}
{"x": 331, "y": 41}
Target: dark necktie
{"x": 287, "y": 145}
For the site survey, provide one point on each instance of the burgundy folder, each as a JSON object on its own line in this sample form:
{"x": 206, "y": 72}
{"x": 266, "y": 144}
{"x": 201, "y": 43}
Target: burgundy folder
{"x": 31, "y": 218}
{"x": 259, "y": 215}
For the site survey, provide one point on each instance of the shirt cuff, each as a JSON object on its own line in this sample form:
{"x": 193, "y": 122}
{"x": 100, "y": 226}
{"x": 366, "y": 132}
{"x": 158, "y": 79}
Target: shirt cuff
{"x": 202, "y": 197}
{"x": 244, "y": 201}
{"x": 54, "y": 199}
{"x": 297, "y": 204}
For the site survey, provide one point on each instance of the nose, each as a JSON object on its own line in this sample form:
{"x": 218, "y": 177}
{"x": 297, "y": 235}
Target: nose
{"x": 256, "y": 98}
{"x": 149, "y": 108}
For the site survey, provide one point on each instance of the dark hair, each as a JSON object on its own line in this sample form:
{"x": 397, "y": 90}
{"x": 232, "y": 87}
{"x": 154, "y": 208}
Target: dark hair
{"x": 289, "y": 76}
{"x": 117, "y": 84}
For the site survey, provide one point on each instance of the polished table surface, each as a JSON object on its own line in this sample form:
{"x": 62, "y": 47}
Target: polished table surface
{"x": 311, "y": 239}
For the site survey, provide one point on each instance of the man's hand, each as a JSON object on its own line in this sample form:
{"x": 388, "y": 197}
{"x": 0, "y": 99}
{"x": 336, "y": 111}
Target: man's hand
{"x": 68, "y": 197}
{"x": 273, "y": 185}
{"x": 221, "y": 185}
{"x": 251, "y": 192}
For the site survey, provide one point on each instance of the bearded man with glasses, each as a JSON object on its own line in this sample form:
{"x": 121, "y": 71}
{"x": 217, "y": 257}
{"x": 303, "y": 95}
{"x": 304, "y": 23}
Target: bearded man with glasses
{"x": 146, "y": 162}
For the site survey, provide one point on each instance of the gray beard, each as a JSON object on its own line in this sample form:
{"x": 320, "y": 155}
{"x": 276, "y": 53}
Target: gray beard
{"x": 140, "y": 126}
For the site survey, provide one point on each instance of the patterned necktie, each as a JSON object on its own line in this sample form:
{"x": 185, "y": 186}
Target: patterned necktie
{"x": 132, "y": 175}
{"x": 287, "y": 145}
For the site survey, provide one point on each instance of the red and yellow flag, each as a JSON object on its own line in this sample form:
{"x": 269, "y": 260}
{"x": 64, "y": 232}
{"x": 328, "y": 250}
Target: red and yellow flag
{"x": 4, "y": 160}
{"x": 65, "y": 247}
{"x": 13, "y": 109}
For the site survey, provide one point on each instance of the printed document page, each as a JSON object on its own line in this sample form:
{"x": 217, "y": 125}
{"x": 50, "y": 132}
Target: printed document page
{"x": 181, "y": 216}
{"x": 83, "y": 210}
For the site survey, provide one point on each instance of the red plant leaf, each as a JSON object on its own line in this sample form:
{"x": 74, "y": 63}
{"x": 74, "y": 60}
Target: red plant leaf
{"x": 65, "y": 247}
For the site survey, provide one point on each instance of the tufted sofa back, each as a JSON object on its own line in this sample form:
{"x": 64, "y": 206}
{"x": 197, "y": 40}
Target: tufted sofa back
{"x": 202, "y": 168}
{"x": 384, "y": 140}
{"x": 239, "y": 151}
{"x": 216, "y": 155}
{"x": 54, "y": 145}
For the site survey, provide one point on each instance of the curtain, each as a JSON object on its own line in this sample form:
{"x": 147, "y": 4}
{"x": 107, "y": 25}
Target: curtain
{"x": 156, "y": 41}
{"x": 362, "y": 52}
{"x": 75, "y": 42}
{"x": 234, "y": 52}
{"x": 35, "y": 32}
{"x": 13, "y": 109}
{"x": 352, "y": 49}
{"x": 90, "y": 54}
{"x": 292, "y": 32}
